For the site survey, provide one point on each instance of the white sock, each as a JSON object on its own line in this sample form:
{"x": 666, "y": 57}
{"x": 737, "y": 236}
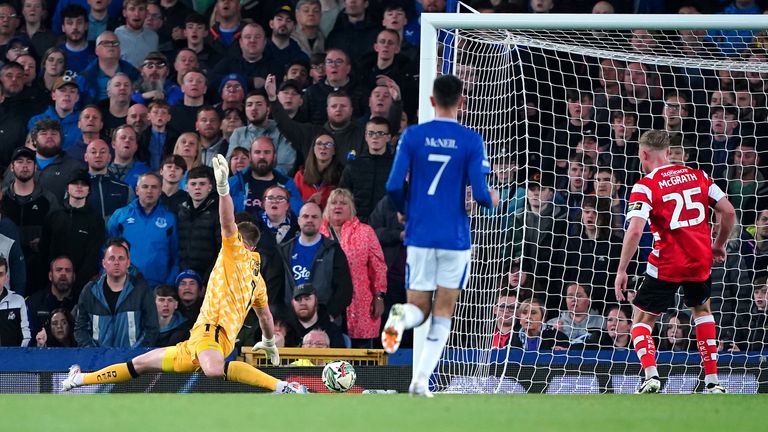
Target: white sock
{"x": 651, "y": 372}
{"x": 433, "y": 348}
{"x": 280, "y": 386}
{"x": 711, "y": 379}
{"x": 412, "y": 316}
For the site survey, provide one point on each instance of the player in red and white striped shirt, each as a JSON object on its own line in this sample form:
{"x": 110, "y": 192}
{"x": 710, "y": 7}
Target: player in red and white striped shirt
{"x": 676, "y": 201}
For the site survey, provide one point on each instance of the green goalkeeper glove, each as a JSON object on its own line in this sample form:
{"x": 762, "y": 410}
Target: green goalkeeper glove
{"x": 221, "y": 172}
{"x": 269, "y": 348}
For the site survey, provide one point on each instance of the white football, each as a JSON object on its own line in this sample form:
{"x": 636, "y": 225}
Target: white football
{"x": 339, "y": 376}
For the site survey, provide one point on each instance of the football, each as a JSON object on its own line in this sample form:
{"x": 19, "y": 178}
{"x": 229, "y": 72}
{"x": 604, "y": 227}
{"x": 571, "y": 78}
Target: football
{"x": 339, "y": 376}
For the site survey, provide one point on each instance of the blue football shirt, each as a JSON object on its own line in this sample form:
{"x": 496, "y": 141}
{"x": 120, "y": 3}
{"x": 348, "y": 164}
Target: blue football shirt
{"x": 442, "y": 157}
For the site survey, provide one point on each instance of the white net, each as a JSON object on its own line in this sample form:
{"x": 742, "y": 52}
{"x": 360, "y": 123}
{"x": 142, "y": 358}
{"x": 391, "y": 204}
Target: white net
{"x": 561, "y": 112}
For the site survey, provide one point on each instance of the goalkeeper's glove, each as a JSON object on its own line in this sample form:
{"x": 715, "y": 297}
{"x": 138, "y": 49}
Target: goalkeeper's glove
{"x": 221, "y": 172}
{"x": 269, "y": 348}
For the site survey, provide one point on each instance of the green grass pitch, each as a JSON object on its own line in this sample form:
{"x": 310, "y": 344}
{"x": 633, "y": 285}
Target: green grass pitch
{"x": 369, "y": 413}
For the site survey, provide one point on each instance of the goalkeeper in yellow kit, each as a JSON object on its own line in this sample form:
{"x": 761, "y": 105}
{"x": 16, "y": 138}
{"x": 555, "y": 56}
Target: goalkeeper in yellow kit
{"x": 235, "y": 286}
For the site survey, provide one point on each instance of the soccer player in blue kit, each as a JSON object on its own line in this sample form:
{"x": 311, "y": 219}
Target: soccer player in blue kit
{"x": 439, "y": 158}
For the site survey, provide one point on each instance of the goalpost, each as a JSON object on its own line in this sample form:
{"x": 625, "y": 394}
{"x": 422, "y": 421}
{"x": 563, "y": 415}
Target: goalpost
{"x": 557, "y": 98}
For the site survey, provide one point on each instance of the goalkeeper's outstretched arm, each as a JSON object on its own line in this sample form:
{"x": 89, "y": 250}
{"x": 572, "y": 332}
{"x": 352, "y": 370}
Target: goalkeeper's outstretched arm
{"x": 226, "y": 206}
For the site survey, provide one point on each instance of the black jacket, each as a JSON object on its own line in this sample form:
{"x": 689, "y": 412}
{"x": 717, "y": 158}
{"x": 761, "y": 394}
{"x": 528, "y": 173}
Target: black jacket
{"x": 12, "y": 133}
{"x": 42, "y": 303}
{"x": 199, "y": 235}
{"x": 108, "y": 194}
{"x": 329, "y": 275}
{"x": 78, "y": 233}
{"x": 53, "y": 178}
{"x": 366, "y": 177}
{"x": 316, "y": 100}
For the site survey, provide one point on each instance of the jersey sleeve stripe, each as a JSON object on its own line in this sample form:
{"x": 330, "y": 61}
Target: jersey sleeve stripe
{"x": 643, "y": 189}
{"x": 715, "y": 193}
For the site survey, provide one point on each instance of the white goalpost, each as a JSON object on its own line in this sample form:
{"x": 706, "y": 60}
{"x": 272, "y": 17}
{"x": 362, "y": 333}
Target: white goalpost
{"x": 560, "y": 100}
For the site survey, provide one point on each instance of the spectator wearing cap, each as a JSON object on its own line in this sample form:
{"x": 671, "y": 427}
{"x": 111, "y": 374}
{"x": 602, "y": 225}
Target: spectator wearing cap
{"x": 27, "y": 204}
{"x": 152, "y": 231}
{"x": 17, "y": 47}
{"x": 232, "y": 90}
{"x": 228, "y": 28}
{"x": 545, "y": 222}
{"x": 289, "y": 95}
{"x": 307, "y": 33}
{"x": 154, "y": 84}
{"x": 208, "y": 128}
{"x": 355, "y": 30}
{"x": 107, "y": 64}
{"x": 199, "y": 226}
{"x": 136, "y": 40}
{"x": 253, "y": 62}
{"x": 257, "y": 109}
{"x": 195, "y": 31}
{"x": 174, "y": 326}
{"x": 74, "y": 25}
{"x": 189, "y": 285}
{"x": 312, "y": 258}
{"x": 76, "y": 230}
{"x": 172, "y": 170}
{"x": 54, "y": 166}
{"x": 281, "y": 48}
{"x": 65, "y": 95}
{"x": 308, "y": 315}
{"x": 107, "y": 193}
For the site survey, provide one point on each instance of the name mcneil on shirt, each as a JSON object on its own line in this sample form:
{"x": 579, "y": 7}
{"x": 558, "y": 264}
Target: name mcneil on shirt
{"x": 440, "y": 142}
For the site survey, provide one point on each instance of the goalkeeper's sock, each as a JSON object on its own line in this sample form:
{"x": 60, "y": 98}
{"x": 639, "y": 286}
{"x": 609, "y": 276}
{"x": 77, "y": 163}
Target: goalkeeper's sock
{"x": 706, "y": 340}
{"x": 433, "y": 348}
{"x": 645, "y": 348}
{"x": 244, "y": 373}
{"x": 412, "y": 316}
{"x": 116, "y": 373}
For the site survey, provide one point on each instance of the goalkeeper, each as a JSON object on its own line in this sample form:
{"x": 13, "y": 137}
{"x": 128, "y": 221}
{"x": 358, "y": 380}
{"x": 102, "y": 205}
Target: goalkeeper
{"x": 235, "y": 285}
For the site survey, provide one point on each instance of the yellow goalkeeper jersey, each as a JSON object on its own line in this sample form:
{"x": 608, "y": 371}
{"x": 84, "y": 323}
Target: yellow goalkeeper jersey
{"x": 234, "y": 287}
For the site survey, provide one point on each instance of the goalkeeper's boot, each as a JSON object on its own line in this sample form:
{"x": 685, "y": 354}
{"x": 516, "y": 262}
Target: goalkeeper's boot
{"x": 713, "y": 388}
{"x": 69, "y": 382}
{"x": 295, "y": 387}
{"x": 393, "y": 329}
{"x": 651, "y": 385}
{"x": 420, "y": 389}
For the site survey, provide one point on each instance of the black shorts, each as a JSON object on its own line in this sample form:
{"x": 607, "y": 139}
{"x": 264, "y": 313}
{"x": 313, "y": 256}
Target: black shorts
{"x": 656, "y": 296}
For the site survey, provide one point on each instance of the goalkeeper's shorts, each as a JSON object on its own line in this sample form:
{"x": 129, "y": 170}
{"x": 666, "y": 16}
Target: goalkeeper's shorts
{"x": 182, "y": 358}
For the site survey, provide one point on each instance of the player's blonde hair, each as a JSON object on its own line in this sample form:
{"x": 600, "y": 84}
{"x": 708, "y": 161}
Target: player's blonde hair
{"x": 655, "y": 140}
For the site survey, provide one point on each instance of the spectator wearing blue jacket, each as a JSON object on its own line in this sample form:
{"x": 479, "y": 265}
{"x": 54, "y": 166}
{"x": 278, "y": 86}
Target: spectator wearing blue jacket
{"x": 124, "y": 166}
{"x": 95, "y": 77}
{"x": 151, "y": 230}
{"x": 117, "y": 310}
{"x": 247, "y": 187}
{"x": 65, "y": 94}
{"x": 733, "y": 42}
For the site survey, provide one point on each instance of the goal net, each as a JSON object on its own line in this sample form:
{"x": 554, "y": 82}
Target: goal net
{"x": 561, "y": 109}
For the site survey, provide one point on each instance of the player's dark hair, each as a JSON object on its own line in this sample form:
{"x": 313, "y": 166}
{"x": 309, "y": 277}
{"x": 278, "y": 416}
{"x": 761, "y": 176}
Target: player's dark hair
{"x": 656, "y": 140}
{"x": 249, "y": 232}
{"x": 447, "y": 91}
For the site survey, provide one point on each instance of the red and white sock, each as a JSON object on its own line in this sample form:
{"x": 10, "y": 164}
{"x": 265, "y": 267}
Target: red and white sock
{"x": 645, "y": 348}
{"x": 706, "y": 341}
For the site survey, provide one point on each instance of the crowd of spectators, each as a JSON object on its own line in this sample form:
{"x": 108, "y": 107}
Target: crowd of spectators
{"x": 111, "y": 112}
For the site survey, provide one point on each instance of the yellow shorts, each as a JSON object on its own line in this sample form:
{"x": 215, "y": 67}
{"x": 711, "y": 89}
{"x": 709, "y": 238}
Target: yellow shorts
{"x": 183, "y": 357}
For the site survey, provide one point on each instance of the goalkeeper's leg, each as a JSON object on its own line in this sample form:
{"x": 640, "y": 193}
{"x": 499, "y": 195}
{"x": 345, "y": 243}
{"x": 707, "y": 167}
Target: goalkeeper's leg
{"x": 116, "y": 373}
